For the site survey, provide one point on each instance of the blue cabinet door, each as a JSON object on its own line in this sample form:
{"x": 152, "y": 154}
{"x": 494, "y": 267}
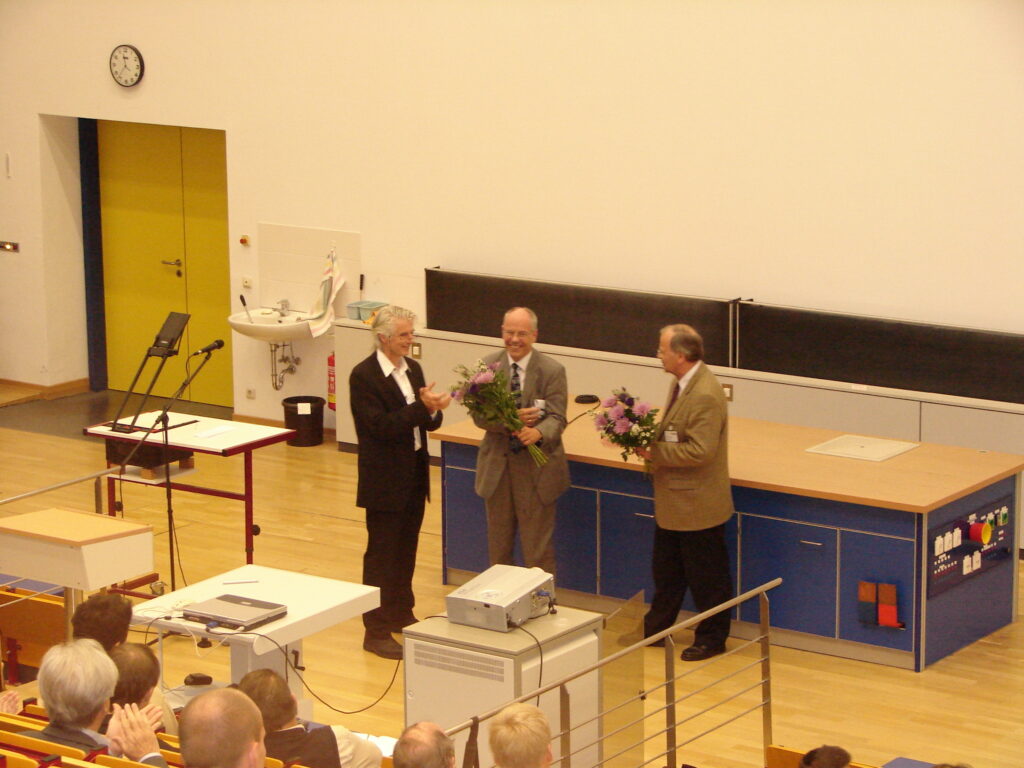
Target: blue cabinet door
{"x": 878, "y": 559}
{"x": 465, "y": 532}
{"x": 576, "y": 541}
{"x": 805, "y": 557}
{"x": 465, "y": 522}
{"x": 627, "y": 538}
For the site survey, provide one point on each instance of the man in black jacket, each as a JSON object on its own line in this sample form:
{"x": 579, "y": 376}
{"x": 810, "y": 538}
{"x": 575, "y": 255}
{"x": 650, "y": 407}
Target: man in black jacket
{"x": 393, "y": 409}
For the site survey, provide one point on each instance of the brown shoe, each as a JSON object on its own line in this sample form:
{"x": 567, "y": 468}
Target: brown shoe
{"x": 384, "y": 646}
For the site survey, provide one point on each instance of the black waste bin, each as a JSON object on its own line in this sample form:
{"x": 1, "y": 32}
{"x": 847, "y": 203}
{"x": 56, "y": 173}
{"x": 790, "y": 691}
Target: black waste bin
{"x": 304, "y": 414}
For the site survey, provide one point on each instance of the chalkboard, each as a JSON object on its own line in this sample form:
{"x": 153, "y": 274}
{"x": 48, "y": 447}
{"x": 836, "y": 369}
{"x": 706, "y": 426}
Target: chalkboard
{"x": 886, "y": 353}
{"x": 570, "y": 315}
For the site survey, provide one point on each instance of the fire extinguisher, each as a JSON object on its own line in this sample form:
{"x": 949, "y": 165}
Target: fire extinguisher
{"x": 332, "y": 400}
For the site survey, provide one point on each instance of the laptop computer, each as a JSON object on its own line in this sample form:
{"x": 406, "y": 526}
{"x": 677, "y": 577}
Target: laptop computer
{"x": 234, "y": 612}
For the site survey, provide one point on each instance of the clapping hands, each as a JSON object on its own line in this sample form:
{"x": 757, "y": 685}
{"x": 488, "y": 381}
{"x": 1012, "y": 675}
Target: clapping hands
{"x": 434, "y": 401}
{"x": 131, "y": 731}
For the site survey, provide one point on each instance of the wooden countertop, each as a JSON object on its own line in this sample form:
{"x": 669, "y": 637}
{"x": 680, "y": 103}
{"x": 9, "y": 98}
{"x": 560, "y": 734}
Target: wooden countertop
{"x": 774, "y": 457}
{"x": 74, "y": 529}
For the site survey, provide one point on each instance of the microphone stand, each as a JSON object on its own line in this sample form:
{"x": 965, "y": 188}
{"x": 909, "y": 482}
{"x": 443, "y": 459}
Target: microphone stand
{"x": 165, "y": 420}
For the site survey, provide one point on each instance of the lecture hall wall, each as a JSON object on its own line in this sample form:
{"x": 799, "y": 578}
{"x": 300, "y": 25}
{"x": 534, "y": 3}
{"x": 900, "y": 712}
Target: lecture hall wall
{"x": 851, "y": 155}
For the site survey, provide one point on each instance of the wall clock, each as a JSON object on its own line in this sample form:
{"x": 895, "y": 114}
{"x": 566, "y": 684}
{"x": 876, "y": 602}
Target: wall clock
{"x": 126, "y": 65}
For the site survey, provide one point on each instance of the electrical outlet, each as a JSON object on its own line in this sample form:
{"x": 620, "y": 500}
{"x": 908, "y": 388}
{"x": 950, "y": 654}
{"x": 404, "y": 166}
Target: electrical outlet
{"x": 417, "y": 350}
{"x": 247, "y": 282}
{"x": 250, "y": 393}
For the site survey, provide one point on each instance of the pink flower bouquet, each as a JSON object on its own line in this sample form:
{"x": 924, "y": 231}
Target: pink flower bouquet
{"x": 626, "y": 422}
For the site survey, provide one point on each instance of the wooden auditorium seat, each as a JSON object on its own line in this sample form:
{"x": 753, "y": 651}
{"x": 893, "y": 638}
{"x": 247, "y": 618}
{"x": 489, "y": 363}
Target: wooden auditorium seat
{"x": 17, "y": 760}
{"x": 32, "y": 746}
{"x": 20, "y": 723}
{"x": 29, "y": 627}
{"x": 784, "y": 757}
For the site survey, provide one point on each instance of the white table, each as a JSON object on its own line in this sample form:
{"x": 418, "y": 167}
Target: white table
{"x": 314, "y": 604}
{"x": 202, "y": 434}
{"x": 76, "y": 550}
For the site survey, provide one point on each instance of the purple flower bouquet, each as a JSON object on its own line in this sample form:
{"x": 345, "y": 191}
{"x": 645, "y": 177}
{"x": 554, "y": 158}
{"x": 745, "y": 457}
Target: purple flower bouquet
{"x": 626, "y": 422}
{"x": 483, "y": 389}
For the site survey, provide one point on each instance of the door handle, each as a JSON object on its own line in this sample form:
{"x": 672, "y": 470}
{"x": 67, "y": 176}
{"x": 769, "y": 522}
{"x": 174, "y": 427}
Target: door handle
{"x": 175, "y": 263}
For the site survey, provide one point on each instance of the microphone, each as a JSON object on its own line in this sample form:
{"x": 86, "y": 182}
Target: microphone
{"x": 213, "y": 345}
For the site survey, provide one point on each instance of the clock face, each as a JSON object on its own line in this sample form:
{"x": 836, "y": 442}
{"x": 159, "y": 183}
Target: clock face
{"x": 126, "y": 65}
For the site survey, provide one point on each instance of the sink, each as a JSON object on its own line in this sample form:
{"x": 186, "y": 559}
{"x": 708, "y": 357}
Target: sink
{"x": 269, "y": 325}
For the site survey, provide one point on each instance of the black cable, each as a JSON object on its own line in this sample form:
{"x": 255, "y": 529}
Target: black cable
{"x": 294, "y": 668}
{"x": 540, "y": 654}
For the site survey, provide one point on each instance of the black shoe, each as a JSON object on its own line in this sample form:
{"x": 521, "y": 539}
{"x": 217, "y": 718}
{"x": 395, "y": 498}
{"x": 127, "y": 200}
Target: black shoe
{"x": 656, "y": 643}
{"x": 385, "y": 646}
{"x": 699, "y": 652}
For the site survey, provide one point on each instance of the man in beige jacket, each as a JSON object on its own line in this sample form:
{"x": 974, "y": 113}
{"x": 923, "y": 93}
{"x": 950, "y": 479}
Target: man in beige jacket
{"x": 692, "y": 495}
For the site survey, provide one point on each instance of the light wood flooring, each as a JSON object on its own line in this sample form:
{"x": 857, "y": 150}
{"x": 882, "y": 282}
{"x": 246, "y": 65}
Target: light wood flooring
{"x": 967, "y": 708}
{"x": 12, "y": 393}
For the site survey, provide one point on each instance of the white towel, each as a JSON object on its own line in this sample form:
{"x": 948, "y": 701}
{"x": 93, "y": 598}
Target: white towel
{"x": 321, "y": 313}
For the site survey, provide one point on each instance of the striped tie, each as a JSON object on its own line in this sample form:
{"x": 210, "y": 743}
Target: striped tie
{"x": 515, "y": 385}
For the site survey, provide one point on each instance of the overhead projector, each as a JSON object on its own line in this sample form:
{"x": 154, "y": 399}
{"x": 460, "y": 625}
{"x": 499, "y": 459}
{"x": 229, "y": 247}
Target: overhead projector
{"x": 502, "y": 598}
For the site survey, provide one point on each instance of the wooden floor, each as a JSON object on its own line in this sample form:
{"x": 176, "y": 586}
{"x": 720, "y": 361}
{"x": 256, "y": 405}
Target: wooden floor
{"x": 967, "y": 708}
{"x": 12, "y": 393}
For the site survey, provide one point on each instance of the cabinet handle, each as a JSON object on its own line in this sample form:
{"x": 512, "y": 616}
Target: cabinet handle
{"x": 641, "y": 514}
{"x": 811, "y": 543}
{"x": 175, "y": 263}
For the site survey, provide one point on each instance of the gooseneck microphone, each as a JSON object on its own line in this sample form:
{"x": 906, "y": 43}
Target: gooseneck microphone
{"x": 213, "y": 345}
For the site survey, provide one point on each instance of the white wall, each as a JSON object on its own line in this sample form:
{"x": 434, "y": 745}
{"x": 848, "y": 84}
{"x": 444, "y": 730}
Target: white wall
{"x": 852, "y": 155}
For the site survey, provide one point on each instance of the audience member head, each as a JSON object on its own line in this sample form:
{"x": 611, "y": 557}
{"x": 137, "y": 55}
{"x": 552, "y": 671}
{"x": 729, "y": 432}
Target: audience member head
{"x": 520, "y": 737}
{"x": 104, "y": 617}
{"x": 272, "y": 696}
{"x": 138, "y": 673}
{"x": 222, "y": 729}
{"x": 424, "y": 745}
{"x": 826, "y": 757}
{"x": 76, "y": 680}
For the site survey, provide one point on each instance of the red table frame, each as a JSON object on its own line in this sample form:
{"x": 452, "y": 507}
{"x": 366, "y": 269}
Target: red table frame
{"x": 246, "y": 448}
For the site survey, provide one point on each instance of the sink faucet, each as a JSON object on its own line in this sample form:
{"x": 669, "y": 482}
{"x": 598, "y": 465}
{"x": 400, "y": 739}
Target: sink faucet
{"x": 282, "y": 307}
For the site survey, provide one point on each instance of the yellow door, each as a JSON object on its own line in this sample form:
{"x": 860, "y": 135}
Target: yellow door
{"x": 163, "y": 197}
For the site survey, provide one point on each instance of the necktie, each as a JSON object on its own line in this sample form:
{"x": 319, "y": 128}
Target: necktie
{"x": 673, "y": 398}
{"x": 515, "y": 384}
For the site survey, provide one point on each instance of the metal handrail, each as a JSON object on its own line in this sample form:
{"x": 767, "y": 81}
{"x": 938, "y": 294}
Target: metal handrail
{"x": 668, "y": 684}
{"x": 62, "y": 484}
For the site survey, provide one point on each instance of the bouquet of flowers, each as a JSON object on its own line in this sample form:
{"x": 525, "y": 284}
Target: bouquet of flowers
{"x": 626, "y": 422}
{"x": 483, "y": 389}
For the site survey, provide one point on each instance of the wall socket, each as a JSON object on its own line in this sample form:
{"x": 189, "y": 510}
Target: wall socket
{"x": 250, "y": 393}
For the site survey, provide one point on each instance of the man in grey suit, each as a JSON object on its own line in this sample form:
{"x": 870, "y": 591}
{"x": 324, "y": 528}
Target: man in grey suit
{"x": 77, "y": 680}
{"x": 692, "y": 495}
{"x": 517, "y": 493}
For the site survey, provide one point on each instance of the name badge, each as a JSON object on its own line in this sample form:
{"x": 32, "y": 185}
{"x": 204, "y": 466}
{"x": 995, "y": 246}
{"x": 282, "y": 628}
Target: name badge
{"x": 670, "y": 436}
